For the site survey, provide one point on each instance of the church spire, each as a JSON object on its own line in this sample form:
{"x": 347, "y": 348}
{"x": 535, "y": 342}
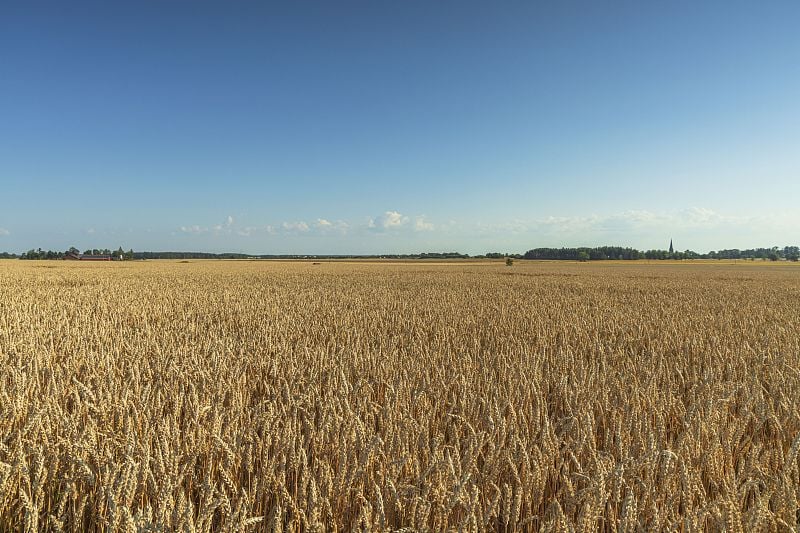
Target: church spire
{"x": 671, "y": 250}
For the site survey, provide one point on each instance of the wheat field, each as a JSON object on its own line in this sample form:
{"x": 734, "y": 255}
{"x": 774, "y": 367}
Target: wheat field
{"x": 268, "y": 396}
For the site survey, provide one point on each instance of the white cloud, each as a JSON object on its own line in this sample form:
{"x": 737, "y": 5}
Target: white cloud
{"x": 514, "y": 227}
{"x": 634, "y": 221}
{"x": 420, "y": 224}
{"x": 389, "y": 220}
{"x": 295, "y": 226}
{"x": 326, "y": 226}
{"x": 195, "y": 229}
{"x": 90, "y": 231}
{"x": 393, "y": 219}
{"x": 695, "y": 227}
{"x": 247, "y": 231}
{"x": 217, "y": 229}
{"x": 226, "y": 227}
{"x": 4, "y": 231}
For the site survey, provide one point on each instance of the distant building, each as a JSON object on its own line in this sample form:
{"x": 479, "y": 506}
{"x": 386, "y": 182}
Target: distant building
{"x": 671, "y": 249}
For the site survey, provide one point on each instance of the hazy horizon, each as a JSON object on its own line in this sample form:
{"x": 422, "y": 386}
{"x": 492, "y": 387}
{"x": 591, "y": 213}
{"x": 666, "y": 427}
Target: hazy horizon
{"x": 377, "y": 128}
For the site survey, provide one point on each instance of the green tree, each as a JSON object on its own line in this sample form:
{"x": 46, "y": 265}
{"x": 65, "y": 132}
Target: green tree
{"x": 583, "y": 256}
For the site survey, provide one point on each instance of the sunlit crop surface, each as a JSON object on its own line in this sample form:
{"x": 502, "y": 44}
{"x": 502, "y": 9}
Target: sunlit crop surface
{"x": 302, "y": 397}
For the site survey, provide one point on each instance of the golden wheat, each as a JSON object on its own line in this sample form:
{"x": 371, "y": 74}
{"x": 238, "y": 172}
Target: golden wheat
{"x": 252, "y": 396}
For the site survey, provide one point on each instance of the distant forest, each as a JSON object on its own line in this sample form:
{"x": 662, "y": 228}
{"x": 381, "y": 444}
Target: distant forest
{"x": 789, "y": 253}
{"x": 50, "y": 254}
{"x": 600, "y": 253}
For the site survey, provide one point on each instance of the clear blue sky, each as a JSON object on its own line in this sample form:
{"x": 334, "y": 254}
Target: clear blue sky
{"x": 368, "y": 127}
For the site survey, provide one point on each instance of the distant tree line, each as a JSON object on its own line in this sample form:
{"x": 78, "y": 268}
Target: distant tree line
{"x": 50, "y": 254}
{"x": 498, "y": 255}
{"x": 206, "y": 255}
{"x": 600, "y": 253}
{"x": 188, "y": 255}
{"x": 584, "y": 253}
{"x": 605, "y": 253}
{"x": 790, "y": 253}
{"x": 130, "y": 254}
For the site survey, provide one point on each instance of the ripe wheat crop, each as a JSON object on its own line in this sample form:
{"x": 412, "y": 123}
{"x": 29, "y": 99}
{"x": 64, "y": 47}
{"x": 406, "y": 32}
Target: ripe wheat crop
{"x": 262, "y": 396}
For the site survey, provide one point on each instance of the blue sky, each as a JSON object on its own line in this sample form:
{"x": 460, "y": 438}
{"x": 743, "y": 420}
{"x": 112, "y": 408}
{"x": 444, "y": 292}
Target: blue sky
{"x": 370, "y": 127}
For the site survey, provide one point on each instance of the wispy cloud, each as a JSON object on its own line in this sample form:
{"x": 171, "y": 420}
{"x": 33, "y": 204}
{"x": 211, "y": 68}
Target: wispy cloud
{"x": 640, "y": 220}
{"x": 295, "y": 227}
{"x": 421, "y": 224}
{"x": 513, "y": 227}
{"x": 325, "y": 226}
{"x": 230, "y": 227}
{"x": 227, "y": 227}
{"x": 194, "y": 230}
{"x": 691, "y": 227}
{"x": 389, "y": 221}
{"x": 694, "y": 226}
{"x": 4, "y": 232}
{"x": 247, "y": 231}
